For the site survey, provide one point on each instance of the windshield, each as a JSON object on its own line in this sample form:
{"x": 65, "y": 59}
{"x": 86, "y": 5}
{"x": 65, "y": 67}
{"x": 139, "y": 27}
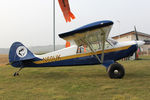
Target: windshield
{"x": 114, "y": 42}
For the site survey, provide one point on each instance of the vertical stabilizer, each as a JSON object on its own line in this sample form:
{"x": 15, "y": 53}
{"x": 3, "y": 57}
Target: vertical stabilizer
{"x": 18, "y": 52}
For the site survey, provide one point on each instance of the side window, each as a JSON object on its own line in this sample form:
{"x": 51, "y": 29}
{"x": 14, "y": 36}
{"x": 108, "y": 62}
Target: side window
{"x": 82, "y": 49}
{"x": 108, "y": 45}
{"x": 96, "y": 46}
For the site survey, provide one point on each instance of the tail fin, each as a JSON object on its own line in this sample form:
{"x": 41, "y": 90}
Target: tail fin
{"x": 18, "y": 52}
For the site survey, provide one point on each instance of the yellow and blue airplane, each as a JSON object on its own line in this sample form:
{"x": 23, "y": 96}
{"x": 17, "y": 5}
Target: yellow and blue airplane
{"x": 99, "y": 50}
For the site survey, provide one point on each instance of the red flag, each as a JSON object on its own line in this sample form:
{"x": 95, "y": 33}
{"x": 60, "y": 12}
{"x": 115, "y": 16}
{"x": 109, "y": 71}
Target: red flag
{"x": 84, "y": 48}
{"x": 64, "y": 5}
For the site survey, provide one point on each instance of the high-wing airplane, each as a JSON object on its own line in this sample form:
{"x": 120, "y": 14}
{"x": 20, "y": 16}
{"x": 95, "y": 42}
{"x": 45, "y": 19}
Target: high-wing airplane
{"x": 99, "y": 50}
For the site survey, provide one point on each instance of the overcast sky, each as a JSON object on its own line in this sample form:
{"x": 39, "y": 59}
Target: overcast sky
{"x": 31, "y": 21}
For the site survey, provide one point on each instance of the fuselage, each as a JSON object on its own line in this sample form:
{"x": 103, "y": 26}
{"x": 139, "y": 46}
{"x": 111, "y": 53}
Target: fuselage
{"x": 70, "y": 57}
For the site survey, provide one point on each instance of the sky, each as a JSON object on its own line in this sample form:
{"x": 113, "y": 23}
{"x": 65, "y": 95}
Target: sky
{"x": 31, "y": 21}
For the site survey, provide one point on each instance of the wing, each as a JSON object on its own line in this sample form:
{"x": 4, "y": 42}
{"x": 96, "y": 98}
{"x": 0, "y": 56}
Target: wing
{"x": 96, "y": 32}
{"x": 93, "y": 32}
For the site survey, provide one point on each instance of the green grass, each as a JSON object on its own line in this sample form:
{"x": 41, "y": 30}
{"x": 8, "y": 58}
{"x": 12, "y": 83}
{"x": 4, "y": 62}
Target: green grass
{"x": 76, "y": 83}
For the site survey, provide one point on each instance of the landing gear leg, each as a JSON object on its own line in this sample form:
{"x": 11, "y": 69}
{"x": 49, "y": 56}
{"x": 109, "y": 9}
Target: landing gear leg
{"x": 17, "y": 73}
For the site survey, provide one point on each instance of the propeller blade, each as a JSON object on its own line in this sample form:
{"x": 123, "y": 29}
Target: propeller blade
{"x": 136, "y": 34}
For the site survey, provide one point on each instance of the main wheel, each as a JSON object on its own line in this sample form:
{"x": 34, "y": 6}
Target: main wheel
{"x": 116, "y": 71}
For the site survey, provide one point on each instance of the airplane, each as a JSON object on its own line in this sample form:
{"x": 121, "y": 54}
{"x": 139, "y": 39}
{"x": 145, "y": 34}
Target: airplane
{"x": 99, "y": 50}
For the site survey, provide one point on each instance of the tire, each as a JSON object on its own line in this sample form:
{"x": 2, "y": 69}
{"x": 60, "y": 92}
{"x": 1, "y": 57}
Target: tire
{"x": 116, "y": 71}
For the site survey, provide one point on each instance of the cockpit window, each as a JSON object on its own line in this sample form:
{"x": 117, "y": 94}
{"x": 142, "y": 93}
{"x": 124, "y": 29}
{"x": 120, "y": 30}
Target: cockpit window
{"x": 96, "y": 45}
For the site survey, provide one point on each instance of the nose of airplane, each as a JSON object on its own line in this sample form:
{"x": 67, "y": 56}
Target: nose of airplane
{"x": 140, "y": 43}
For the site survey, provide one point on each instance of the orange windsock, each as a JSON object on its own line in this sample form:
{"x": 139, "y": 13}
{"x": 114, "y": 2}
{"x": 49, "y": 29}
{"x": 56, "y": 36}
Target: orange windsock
{"x": 64, "y": 5}
{"x": 67, "y": 44}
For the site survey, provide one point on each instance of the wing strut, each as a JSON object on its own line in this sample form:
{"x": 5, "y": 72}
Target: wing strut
{"x": 90, "y": 46}
{"x": 103, "y": 45}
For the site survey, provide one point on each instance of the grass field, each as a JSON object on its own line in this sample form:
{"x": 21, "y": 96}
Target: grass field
{"x": 3, "y": 60}
{"x": 76, "y": 83}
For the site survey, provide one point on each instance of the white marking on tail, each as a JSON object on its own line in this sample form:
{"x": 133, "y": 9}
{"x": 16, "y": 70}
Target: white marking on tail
{"x": 21, "y": 51}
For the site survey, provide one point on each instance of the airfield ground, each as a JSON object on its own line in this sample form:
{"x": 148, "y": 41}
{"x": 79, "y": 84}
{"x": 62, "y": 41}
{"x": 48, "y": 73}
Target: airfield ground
{"x": 76, "y": 83}
{"x": 3, "y": 60}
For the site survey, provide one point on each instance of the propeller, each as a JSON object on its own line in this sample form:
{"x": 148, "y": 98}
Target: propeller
{"x": 138, "y": 42}
{"x": 137, "y": 39}
{"x": 147, "y": 42}
{"x": 136, "y": 34}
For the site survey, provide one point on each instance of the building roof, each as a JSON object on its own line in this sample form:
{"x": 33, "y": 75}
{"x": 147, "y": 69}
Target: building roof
{"x": 131, "y": 33}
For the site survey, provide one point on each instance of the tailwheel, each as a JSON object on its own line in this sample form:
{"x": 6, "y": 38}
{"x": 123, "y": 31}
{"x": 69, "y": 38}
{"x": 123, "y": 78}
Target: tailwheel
{"x": 16, "y": 74}
{"x": 116, "y": 71}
